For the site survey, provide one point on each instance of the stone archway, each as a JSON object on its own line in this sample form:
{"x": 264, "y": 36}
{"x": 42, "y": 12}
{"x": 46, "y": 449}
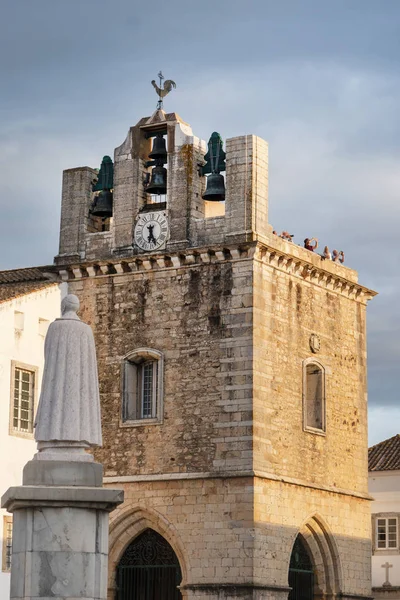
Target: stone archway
{"x": 320, "y": 546}
{"x": 128, "y": 525}
{"x": 149, "y": 570}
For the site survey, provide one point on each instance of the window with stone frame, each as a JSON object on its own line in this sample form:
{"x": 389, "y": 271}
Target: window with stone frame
{"x": 386, "y": 533}
{"x": 7, "y": 543}
{"x": 23, "y": 398}
{"x": 313, "y": 396}
{"x": 142, "y": 387}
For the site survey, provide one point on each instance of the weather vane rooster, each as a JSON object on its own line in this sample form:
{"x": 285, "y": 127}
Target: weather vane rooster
{"x": 162, "y": 92}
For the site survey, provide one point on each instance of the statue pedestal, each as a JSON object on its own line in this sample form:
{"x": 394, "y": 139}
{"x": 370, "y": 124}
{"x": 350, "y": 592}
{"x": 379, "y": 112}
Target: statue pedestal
{"x": 60, "y": 531}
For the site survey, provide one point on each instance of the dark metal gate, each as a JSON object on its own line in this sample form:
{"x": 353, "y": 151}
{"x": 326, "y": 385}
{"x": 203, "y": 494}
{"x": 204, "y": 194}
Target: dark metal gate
{"x": 301, "y": 573}
{"x": 149, "y": 570}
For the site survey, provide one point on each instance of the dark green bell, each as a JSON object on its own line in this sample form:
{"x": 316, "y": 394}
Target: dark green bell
{"x": 159, "y": 150}
{"x": 215, "y": 190}
{"x": 158, "y": 181}
{"x": 102, "y": 205}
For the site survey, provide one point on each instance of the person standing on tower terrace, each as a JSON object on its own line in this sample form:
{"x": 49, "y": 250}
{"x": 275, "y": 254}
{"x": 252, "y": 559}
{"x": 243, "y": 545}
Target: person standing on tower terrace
{"x": 338, "y": 256}
{"x": 285, "y": 235}
{"x": 326, "y": 253}
{"x": 308, "y": 245}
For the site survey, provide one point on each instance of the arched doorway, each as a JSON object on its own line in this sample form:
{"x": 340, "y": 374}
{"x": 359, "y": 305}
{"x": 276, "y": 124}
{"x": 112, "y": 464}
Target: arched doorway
{"x": 301, "y": 572}
{"x": 149, "y": 570}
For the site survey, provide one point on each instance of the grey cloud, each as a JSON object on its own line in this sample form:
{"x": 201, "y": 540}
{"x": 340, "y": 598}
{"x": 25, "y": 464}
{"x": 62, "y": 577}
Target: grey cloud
{"x": 318, "y": 80}
{"x": 383, "y": 423}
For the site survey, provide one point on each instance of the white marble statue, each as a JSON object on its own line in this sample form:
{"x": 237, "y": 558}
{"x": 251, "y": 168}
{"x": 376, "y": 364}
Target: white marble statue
{"x": 68, "y": 417}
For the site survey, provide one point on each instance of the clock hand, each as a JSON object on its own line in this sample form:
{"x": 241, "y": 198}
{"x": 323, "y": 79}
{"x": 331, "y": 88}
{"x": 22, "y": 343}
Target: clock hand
{"x": 150, "y": 237}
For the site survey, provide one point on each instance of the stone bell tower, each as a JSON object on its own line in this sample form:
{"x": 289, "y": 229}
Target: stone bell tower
{"x": 189, "y": 217}
{"x": 232, "y": 370}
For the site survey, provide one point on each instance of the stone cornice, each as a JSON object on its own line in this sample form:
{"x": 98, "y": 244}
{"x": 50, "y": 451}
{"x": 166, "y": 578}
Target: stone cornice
{"x": 332, "y": 277}
{"x": 215, "y": 588}
{"x": 156, "y": 261}
{"x": 123, "y": 479}
{"x": 293, "y": 261}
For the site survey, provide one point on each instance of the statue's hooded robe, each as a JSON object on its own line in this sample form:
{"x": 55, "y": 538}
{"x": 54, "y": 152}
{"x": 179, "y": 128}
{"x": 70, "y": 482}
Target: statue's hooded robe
{"x": 69, "y": 405}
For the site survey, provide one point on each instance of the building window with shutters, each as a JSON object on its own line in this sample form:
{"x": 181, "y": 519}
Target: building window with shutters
{"x": 23, "y": 399}
{"x": 386, "y": 536}
{"x": 7, "y": 543}
{"x": 314, "y": 396}
{"x": 142, "y": 387}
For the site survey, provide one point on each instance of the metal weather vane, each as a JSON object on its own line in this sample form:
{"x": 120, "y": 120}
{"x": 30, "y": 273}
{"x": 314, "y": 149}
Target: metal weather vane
{"x": 162, "y": 92}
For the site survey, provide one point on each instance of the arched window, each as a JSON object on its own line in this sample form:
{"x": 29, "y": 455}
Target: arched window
{"x": 142, "y": 386}
{"x": 313, "y": 396}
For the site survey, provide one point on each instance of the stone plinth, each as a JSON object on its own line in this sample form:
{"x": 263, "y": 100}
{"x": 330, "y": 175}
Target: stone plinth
{"x": 60, "y": 532}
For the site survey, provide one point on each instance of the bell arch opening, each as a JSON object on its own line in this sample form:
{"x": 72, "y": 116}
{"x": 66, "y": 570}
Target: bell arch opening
{"x": 149, "y": 569}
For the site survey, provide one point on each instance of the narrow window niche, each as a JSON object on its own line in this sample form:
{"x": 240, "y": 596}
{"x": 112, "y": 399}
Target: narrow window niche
{"x": 19, "y": 321}
{"x": 142, "y": 387}
{"x": 314, "y": 397}
{"x": 43, "y": 325}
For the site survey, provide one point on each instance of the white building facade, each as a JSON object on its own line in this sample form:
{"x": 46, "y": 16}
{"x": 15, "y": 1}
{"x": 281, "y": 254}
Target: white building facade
{"x": 27, "y": 307}
{"x": 384, "y": 487}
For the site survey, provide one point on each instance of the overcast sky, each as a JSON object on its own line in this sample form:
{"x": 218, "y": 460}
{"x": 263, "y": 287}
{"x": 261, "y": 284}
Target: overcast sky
{"x": 319, "y": 80}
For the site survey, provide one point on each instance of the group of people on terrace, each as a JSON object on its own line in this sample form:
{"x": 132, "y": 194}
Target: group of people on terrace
{"x": 311, "y": 244}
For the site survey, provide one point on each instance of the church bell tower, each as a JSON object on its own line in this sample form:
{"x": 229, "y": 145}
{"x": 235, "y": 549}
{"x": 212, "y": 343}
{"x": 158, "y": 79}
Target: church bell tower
{"x": 232, "y": 368}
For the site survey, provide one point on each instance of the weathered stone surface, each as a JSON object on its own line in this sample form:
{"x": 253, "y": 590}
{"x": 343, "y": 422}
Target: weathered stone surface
{"x": 35, "y": 495}
{"x": 60, "y": 540}
{"x": 62, "y": 555}
{"x": 63, "y": 473}
{"x": 76, "y": 200}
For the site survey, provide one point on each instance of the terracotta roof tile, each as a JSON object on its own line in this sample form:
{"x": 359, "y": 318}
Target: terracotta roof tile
{"x": 385, "y": 456}
{"x": 10, "y": 291}
{"x": 19, "y": 282}
{"x": 14, "y": 275}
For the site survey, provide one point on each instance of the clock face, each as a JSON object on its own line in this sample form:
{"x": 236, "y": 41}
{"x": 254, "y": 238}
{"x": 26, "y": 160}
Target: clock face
{"x": 151, "y": 231}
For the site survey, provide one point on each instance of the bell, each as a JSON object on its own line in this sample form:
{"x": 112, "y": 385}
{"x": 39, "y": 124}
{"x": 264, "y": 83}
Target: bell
{"x": 158, "y": 181}
{"x": 215, "y": 189}
{"x": 159, "y": 150}
{"x": 102, "y": 205}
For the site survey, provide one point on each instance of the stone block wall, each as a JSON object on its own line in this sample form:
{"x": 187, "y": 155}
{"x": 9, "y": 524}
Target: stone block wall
{"x": 234, "y": 536}
{"x": 207, "y": 522}
{"x": 98, "y": 245}
{"x": 76, "y": 199}
{"x": 230, "y": 477}
{"x": 200, "y": 317}
{"x": 128, "y": 189}
{"x": 336, "y": 528}
{"x": 185, "y": 187}
{"x": 290, "y": 304}
{"x": 208, "y": 231}
{"x": 246, "y": 188}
